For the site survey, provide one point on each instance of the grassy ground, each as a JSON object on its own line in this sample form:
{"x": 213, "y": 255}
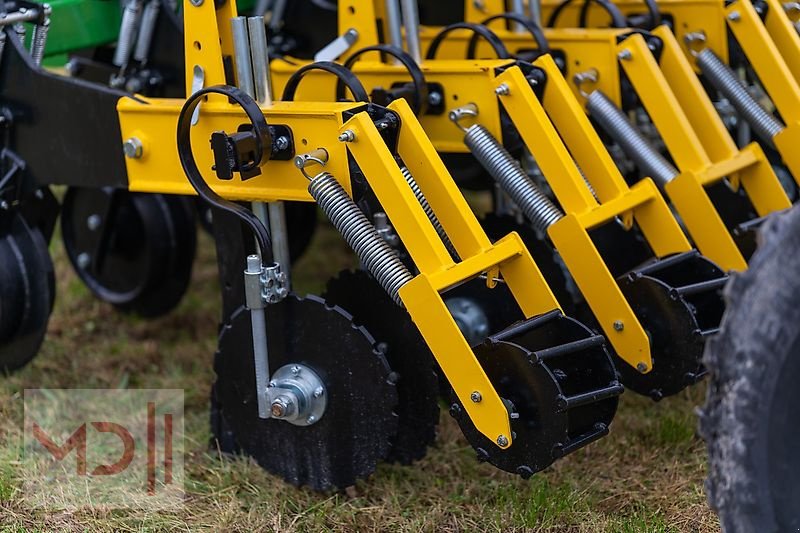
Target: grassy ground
{"x": 646, "y": 476}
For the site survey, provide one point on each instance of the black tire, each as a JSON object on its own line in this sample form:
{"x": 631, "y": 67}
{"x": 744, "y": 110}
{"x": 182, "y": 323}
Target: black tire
{"x": 750, "y": 419}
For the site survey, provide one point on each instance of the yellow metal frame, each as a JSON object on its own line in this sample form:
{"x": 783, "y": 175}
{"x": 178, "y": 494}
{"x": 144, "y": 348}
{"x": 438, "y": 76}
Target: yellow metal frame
{"x": 684, "y": 116}
{"x": 318, "y": 125}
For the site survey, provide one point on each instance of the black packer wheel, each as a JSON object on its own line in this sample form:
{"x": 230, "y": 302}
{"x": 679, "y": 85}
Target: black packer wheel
{"x": 353, "y": 434}
{"x": 132, "y": 250}
{"x": 407, "y": 353}
{"x": 27, "y": 292}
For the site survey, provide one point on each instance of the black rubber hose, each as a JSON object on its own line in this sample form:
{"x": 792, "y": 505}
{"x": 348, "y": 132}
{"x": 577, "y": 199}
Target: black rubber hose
{"x": 417, "y": 77}
{"x": 617, "y": 18}
{"x": 195, "y": 177}
{"x": 478, "y": 29}
{"x": 343, "y": 74}
{"x": 534, "y": 29}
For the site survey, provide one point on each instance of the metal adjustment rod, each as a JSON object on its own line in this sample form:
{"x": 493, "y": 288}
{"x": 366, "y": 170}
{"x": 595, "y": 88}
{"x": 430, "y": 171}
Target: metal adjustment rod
{"x": 411, "y": 24}
{"x": 374, "y": 252}
{"x": 127, "y": 33}
{"x": 507, "y": 171}
{"x": 146, "y": 31}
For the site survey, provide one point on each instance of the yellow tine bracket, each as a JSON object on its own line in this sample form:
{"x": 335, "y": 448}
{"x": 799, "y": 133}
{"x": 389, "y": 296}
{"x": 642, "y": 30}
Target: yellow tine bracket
{"x": 543, "y": 141}
{"x": 693, "y": 98}
{"x": 765, "y": 59}
{"x": 569, "y": 235}
{"x": 703, "y": 222}
{"x": 749, "y": 166}
{"x": 443, "y": 195}
{"x": 523, "y": 277}
{"x": 576, "y": 130}
{"x": 438, "y": 272}
{"x": 602, "y": 292}
{"x": 207, "y": 37}
{"x": 784, "y": 35}
{"x": 652, "y": 88}
{"x": 644, "y": 201}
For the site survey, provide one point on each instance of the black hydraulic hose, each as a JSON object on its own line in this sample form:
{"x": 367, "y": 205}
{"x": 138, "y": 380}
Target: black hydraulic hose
{"x": 478, "y": 29}
{"x": 420, "y": 102}
{"x": 617, "y": 18}
{"x": 344, "y": 75}
{"x": 534, "y": 29}
{"x": 195, "y": 177}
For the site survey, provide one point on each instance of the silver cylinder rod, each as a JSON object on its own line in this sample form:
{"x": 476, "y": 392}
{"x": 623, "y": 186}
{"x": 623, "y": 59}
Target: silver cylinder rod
{"x": 259, "y": 56}
{"x": 147, "y": 30}
{"x": 258, "y": 324}
{"x": 127, "y": 33}
{"x": 535, "y": 7}
{"x": 241, "y": 55}
{"x": 411, "y": 24}
{"x": 393, "y": 23}
{"x": 518, "y": 8}
{"x": 276, "y": 19}
{"x": 280, "y": 237}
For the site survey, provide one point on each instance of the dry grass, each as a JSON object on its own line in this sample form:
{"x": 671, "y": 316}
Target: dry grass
{"x": 646, "y": 476}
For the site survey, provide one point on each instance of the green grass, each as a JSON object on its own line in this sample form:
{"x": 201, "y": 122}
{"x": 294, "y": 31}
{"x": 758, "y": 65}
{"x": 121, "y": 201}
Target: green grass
{"x": 646, "y": 476}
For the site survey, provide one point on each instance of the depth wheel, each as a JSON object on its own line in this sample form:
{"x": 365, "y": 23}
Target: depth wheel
{"x": 132, "y": 250}
{"x": 353, "y": 434}
{"x": 27, "y": 292}
{"x": 750, "y": 417}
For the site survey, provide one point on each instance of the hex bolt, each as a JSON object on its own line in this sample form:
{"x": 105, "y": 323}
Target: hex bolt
{"x": 318, "y": 392}
{"x": 93, "y": 222}
{"x": 625, "y": 55}
{"x": 197, "y": 3}
{"x": 295, "y": 370}
{"x": 4, "y": 205}
{"x": 435, "y": 98}
{"x": 281, "y": 143}
{"x": 133, "y": 148}
{"x": 476, "y": 396}
{"x": 311, "y": 419}
{"x": 502, "y": 90}
{"x": 347, "y": 136}
{"x": 83, "y": 260}
{"x": 279, "y": 407}
{"x": 734, "y": 16}
{"x": 618, "y": 325}
{"x": 641, "y": 367}
{"x": 502, "y": 441}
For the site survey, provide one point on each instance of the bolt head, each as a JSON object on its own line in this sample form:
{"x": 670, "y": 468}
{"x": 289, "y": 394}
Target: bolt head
{"x": 83, "y": 260}
{"x": 197, "y": 3}
{"x": 734, "y": 16}
{"x": 4, "y": 205}
{"x": 618, "y": 325}
{"x": 625, "y": 55}
{"x": 311, "y": 419}
{"x": 93, "y": 222}
{"x": 502, "y": 440}
{"x": 295, "y": 370}
{"x": 133, "y": 148}
{"x": 502, "y": 90}
{"x": 476, "y": 397}
{"x": 282, "y": 143}
{"x": 435, "y": 98}
{"x": 347, "y": 136}
{"x": 641, "y": 367}
{"x": 318, "y": 392}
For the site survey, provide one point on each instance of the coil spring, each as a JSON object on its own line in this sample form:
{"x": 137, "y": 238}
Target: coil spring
{"x": 148, "y": 27}
{"x": 127, "y": 32}
{"x": 375, "y": 254}
{"x": 509, "y": 174}
{"x": 429, "y": 212}
{"x": 726, "y": 82}
{"x": 633, "y": 143}
{"x": 38, "y": 41}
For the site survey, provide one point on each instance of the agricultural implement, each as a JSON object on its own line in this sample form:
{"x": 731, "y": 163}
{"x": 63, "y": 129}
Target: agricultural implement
{"x": 535, "y": 390}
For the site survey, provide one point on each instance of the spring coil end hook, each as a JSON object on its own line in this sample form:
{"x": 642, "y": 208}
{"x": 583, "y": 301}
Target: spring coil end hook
{"x": 459, "y": 113}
